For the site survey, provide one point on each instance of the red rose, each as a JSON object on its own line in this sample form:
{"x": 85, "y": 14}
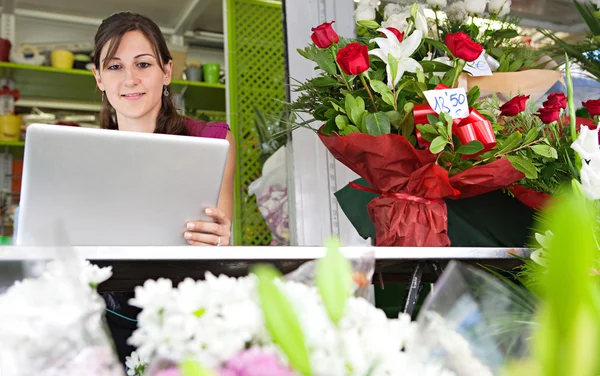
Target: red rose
{"x": 548, "y": 114}
{"x": 354, "y": 58}
{"x": 462, "y": 47}
{"x": 514, "y": 106}
{"x": 592, "y": 106}
{"x": 397, "y": 33}
{"x": 324, "y": 35}
{"x": 556, "y": 100}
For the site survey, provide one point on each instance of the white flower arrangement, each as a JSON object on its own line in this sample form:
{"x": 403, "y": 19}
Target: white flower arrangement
{"x": 587, "y": 146}
{"x": 52, "y": 325}
{"x": 212, "y": 321}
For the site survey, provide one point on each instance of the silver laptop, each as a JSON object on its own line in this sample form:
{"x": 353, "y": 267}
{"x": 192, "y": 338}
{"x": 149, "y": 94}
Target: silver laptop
{"x": 96, "y": 187}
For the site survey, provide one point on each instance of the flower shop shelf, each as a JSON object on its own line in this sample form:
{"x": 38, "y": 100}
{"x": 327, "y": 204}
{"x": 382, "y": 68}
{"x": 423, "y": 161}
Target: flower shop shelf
{"x": 78, "y": 85}
{"x": 133, "y": 265}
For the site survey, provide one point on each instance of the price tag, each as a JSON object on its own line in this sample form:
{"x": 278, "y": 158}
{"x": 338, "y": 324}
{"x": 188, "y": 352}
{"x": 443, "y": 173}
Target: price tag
{"x": 479, "y": 67}
{"x": 450, "y": 101}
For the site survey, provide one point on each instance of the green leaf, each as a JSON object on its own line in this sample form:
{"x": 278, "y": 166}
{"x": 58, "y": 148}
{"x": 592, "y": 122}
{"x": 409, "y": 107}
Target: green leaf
{"x": 505, "y": 34}
{"x": 357, "y": 115}
{"x": 338, "y": 108}
{"x": 395, "y": 118}
{"x": 470, "y": 148}
{"x": 368, "y": 24}
{"x": 432, "y": 119}
{"x": 510, "y": 143}
{"x": 427, "y": 128}
{"x": 349, "y": 130}
{"x": 360, "y": 103}
{"x": 377, "y": 124}
{"x": 383, "y": 90}
{"x": 393, "y": 64}
{"x": 420, "y": 76}
{"x": 341, "y": 121}
{"x": 334, "y": 281}
{"x": 306, "y": 53}
{"x": 349, "y": 103}
{"x": 280, "y": 319}
{"x": 330, "y": 113}
{"x": 523, "y": 165}
{"x": 325, "y": 81}
{"x": 438, "y": 144}
{"x": 473, "y": 95}
{"x": 439, "y": 45}
{"x": 515, "y": 65}
{"x": 325, "y": 61}
{"x": 434, "y": 66}
{"x": 193, "y": 368}
{"x": 428, "y": 136}
{"x": 545, "y": 151}
{"x": 531, "y": 136}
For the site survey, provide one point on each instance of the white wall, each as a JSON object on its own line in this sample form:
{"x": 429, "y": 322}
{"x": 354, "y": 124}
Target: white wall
{"x": 314, "y": 208}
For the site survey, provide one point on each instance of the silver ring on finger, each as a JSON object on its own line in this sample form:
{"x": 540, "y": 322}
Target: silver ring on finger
{"x": 218, "y": 241}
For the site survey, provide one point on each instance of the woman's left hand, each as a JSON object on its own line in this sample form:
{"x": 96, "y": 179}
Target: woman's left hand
{"x": 210, "y": 233}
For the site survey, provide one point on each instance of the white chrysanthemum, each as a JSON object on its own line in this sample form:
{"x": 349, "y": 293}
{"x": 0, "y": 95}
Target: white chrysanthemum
{"x": 364, "y": 13}
{"x": 457, "y": 12}
{"x": 391, "y": 9}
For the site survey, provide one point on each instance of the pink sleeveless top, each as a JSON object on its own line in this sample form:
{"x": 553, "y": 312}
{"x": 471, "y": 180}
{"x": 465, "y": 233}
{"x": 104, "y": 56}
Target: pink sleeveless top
{"x": 198, "y": 128}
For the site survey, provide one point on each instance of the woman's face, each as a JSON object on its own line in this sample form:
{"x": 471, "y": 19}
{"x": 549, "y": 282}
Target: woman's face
{"x": 132, "y": 80}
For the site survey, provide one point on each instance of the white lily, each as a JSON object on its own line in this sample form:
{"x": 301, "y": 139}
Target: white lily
{"x": 421, "y": 20}
{"x": 401, "y": 51}
{"x": 590, "y": 177}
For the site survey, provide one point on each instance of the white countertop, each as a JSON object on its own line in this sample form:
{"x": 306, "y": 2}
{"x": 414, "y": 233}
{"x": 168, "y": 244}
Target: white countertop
{"x": 238, "y": 253}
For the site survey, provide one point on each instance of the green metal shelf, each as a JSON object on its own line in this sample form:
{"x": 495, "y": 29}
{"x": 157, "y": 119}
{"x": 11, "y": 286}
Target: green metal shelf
{"x": 12, "y": 143}
{"x": 79, "y": 85}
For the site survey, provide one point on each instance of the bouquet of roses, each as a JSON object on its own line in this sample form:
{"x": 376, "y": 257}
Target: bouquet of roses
{"x": 400, "y": 123}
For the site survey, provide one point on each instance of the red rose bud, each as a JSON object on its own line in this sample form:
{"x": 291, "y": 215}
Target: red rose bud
{"x": 397, "y": 33}
{"x": 514, "y": 106}
{"x": 462, "y": 47}
{"x": 548, "y": 114}
{"x": 354, "y": 58}
{"x": 324, "y": 35}
{"x": 556, "y": 100}
{"x": 592, "y": 106}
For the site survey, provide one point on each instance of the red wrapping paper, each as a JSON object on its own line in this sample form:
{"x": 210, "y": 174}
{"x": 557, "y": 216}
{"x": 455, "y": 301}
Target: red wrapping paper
{"x": 534, "y": 200}
{"x": 391, "y": 165}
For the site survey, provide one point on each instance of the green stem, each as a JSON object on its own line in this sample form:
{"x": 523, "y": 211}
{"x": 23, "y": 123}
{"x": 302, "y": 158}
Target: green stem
{"x": 362, "y": 79}
{"x": 437, "y": 23}
{"x": 344, "y": 79}
{"x": 571, "y": 104}
{"x": 458, "y": 68}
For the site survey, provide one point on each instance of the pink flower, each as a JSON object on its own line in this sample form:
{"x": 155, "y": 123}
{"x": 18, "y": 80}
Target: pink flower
{"x": 255, "y": 362}
{"x": 168, "y": 372}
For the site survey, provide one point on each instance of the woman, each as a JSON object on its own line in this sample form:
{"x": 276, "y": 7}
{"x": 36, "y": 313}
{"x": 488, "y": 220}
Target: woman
{"x": 132, "y": 67}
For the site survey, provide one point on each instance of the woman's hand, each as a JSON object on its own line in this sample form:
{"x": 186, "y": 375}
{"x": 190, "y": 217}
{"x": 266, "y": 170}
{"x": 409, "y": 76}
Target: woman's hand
{"x": 210, "y": 233}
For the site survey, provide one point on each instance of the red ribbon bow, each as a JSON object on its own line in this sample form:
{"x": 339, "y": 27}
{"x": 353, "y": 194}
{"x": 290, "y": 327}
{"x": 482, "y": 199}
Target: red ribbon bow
{"x": 13, "y": 93}
{"x": 473, "y": 127}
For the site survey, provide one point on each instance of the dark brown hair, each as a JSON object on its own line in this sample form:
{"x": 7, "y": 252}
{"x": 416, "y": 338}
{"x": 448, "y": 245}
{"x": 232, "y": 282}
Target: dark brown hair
{"x": 112, "y": 31}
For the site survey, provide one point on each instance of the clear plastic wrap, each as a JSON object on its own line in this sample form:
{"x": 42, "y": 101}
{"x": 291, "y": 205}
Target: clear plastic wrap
{"x": 51, "y": 321}
{"x": 473, "y": 323}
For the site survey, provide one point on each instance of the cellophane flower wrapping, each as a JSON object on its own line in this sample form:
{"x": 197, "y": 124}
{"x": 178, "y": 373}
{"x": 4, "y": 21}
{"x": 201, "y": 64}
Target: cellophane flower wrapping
{"x": 51, "y": 322}
{"x": 474, "y": 324}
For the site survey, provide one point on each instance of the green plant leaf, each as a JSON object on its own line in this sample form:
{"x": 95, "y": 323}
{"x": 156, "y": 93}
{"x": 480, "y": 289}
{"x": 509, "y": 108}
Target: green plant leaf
{"x": 523, "y": 165}
{"x": 349, "y": 129}
{"x": 434, "y": 66}
{"x": 338, "y": 108}
{"x": 395, "y": 118}
{"x": 325, "y": 81}
{"x": 439, "y": 45}
{"x": 357, "y": 115}
{"x": 470, "y": 148}
{"x": 193, "y": 368}
{"x": 341, "y": 121}
{"x": 325, "y": 61}
{"x": 360, "y": 103}
{"x": 334, "y": 280}
{"x": 510, "y": 143}
{"x": 280, "y": 319}
{"x": 432, "y": 119}
{"x": 349, "y": 103}
{"x": 545, "y": 151}
{"x": 393, "y": 64}
{"x": 473, "y": 95}
{"x": 421, "y": 76}
{"x": 377, "y": 124}
{"x": 368, "y": 24}
{"x": 427, "y": 128}
{"x": 383, "y": 90}
{"x": 515, "y": 65}
{"x": 428, "y": 136}
{"x": 531, "y": 136}
{"x": 438, "y": 144}
{"x": 306, "y": 53}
